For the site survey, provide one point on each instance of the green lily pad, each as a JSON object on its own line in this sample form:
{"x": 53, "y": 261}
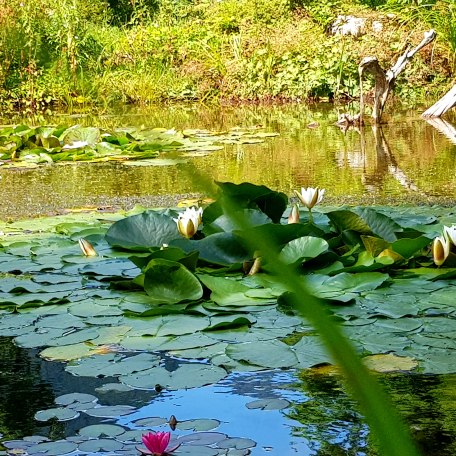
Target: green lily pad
{"x": 186, "y": 376}
{"x": 57, "y": 448}
{"x": 142, "y": 231}
{"x": 237, "y": 443}
{"x": 72, "y": 398}
{"x": 110, "y": 411}
{"x": 99, "y": 445}
{"x": 112, "y": 365}
{"x": 60, "y": 414}
{"x": 271, "y": 354}
{"x": 169, "y": 282}
{"x": 267, "y": 404}
{"x": 302, "y": 249}
{"x": 198, "y": 425}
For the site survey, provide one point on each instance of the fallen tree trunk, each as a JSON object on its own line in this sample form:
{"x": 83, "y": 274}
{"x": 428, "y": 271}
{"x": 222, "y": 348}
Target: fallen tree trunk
{"x": 384, "y": 81}
{"x": 443, "y": 105}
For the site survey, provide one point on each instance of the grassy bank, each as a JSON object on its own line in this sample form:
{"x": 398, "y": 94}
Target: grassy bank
{"x": 145, "y": 51}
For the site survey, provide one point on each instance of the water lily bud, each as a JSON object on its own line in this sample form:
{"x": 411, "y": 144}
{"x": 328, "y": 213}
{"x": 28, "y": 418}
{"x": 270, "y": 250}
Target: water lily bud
{"x": 310, "y": 196}
{"x": 450, "y": 233}
{"x": 188, "y": 222}
{"x": 186, "y": 227}
{"x": 87, "y": 248}
{"x": 440, "y": 249}
{"x": 294, "y": 214}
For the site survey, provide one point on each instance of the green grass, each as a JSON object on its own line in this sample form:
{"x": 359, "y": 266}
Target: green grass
{"x": 247, "y": 50}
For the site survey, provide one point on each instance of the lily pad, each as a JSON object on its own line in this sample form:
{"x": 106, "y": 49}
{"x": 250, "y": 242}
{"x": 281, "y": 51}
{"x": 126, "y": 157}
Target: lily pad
{"x": 198, "y": 425}
{"x": 57, "y": 448}
{"x": 267, "y": 404}
{"x": 169, "y": 282}
{"x": 110, "y": 411}
{"x": 390, "y": 363}
{"x": 185, "y": 376}
{"x": 60, "y": 414}
{"x": 101, "y": 430}
{"x": 271, "y": 354}
{"x": 142, "y": 231}
{"x": 99, "y": 445}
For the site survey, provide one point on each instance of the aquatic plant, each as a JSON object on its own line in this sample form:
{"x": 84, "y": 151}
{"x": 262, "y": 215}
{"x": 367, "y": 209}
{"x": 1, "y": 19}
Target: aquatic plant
{"x": 189, "y": 221}
{"x": 310, "y": 196}
{"x": 24, "y": 146}
{"x": 157, "y": 444}
{"x": 371, "y": 267}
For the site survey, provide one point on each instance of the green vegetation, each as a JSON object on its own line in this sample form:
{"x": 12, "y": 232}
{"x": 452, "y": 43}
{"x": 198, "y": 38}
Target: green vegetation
{"x": 80, "y": 52}
{"x": 23, "y": 146}
{"x": 203, "y": 297}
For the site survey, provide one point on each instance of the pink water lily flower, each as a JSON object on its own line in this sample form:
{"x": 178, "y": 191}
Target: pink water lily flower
{"x": 157, "y": 444}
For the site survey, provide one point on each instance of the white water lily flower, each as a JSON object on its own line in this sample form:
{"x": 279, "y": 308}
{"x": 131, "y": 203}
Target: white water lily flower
{"x": 450, "y": 233}
{"x": 310, "y": 196}
{"x": 188, "y": 222}
{"x": 440, "y": 249}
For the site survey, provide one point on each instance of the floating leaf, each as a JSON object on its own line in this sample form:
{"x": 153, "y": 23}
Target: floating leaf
{"x": 268, "y": 404}
{"x": 271, "y": 354}
{"x": 198, "y": 425}
{"x": 186, "y": 376}
{"x": 60, "y": 414}
{"x": 67, "y": 352}
{"x": 390, "y": 363}
{"x": 57, "y": 448}
{"x": 72, "y": 398}
{"x": 110, "y": 411}
{"x": 379, "y": 223}
{"x": 169, "y": 282}
{"x": 142, "y": 231}
{"x": 98, "y": 445}
{"x": 237, "y": 443}
{"x": 302, "y": 249}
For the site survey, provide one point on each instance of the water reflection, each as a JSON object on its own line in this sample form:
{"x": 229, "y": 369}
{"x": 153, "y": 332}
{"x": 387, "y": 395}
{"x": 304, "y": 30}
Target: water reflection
{"x": 22, "y": 390}
{"x": 333, "y": 425}
{"x": 321, "y": 419}
{"x": 407, "y": 160}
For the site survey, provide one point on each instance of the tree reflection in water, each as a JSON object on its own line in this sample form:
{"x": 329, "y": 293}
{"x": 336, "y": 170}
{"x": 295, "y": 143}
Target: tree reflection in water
{"x": 331, "y": 422}
{"x": 22, "y": 390}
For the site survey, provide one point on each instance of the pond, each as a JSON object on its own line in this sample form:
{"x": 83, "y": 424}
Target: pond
{"x": 257, "y": 408}
{"x": 407, "y": 161}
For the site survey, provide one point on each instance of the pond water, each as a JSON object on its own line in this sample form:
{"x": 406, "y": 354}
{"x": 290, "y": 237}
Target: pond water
{"x": 274, "y": 412}
{"x": 406, "y": 161}
{"x": 311, "y": 415}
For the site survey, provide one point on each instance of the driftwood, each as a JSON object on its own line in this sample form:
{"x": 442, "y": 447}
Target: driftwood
{"x": 443, "y": 105}
{"x": 384, "y": 81}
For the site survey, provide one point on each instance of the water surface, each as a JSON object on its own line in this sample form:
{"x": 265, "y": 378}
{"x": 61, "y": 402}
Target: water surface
{"x": 404, "y": 161}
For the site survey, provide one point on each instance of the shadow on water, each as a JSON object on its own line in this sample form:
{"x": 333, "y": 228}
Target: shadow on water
{"x": 405, "y": 161}
{"x": 318, "y": 417}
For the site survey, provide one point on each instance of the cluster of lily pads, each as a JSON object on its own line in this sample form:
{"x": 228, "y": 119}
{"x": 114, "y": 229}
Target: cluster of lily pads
{"x": 205, "y": 293}
{"x": 194, "y": 437}
{"x": 22, "y": 145}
